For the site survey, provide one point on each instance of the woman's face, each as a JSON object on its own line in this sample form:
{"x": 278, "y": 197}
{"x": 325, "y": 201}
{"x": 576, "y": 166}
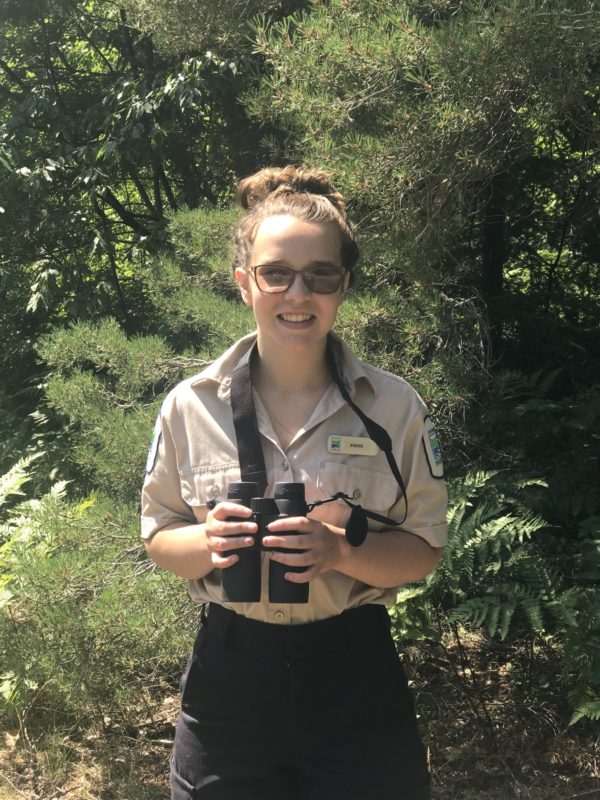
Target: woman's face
{"x": 296, "y": 318}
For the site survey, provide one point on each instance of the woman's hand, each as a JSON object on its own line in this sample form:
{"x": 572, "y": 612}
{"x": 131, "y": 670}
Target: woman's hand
{"x": 222, "y": 536}
{"x": 320, "y": 546}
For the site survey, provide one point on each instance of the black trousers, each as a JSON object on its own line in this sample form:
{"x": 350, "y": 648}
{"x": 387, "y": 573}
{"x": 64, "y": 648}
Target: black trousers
{"x": 304, "y": 712}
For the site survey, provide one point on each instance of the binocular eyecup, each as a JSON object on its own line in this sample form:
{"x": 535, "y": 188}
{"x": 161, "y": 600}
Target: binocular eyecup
{"x": 241, "y": 583}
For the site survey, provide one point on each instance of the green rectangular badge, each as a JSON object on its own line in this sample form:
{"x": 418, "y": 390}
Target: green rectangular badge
{"x": 352, "y": 445}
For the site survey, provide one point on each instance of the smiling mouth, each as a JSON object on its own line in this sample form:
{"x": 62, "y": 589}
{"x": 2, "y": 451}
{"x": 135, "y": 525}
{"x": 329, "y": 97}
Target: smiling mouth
{"x": 296, "y": 317}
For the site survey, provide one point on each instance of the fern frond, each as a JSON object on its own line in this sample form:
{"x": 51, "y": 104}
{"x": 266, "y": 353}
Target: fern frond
{"x": 589, "y": 709}
{"x": 506, "y": 615}
{"x": 12, "y": 481}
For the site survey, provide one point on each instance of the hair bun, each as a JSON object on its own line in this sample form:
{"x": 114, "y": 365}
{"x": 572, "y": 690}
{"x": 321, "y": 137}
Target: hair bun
{"x": 306, "y": 194}
{"x": 287, "y": 180}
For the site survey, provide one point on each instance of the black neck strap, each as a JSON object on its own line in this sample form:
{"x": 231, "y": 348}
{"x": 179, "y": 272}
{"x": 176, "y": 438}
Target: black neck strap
{"x": 378, "y": 434}
{"x": 252, "y": 462}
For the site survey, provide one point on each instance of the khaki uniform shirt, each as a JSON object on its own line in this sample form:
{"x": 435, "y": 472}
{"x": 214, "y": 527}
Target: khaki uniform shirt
{"x": 194, "y": 457}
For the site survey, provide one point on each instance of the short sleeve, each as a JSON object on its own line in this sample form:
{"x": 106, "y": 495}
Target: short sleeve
{"x": 162, "y": 503}
{"x": 422, "y": 470}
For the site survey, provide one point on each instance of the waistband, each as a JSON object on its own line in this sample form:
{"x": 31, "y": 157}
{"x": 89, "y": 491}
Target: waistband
{"x": 351, "y": 630}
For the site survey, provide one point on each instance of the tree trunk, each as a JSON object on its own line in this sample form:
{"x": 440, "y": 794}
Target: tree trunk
{"x": 493, "y": 257}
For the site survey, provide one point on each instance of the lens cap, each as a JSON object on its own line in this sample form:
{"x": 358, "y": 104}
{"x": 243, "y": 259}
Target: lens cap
{"x": 289, "y": 491}
{"x": 264, "y": 505}
{"x": 242, "y": 490}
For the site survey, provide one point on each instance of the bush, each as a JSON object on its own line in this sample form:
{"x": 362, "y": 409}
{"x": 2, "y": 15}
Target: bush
{"x": 500, "y": 572}
{"x": 88, "y": 628}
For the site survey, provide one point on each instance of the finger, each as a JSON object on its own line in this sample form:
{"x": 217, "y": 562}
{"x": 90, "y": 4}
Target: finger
{"x": 287, "y": 542}
{"x": 301, "y": 524}
{"x": 218, "y": 528}
{"x": 221, "y": 562}
{"x": 218, "y": 544}
{"x": 305, "y": 559}
{"x": 302, "y": 577}
{"x": 223, "y": 510}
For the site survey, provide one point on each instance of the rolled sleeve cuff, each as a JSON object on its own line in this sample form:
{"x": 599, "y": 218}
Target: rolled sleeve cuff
{"x": 152, "y": 525}
{"x": 435, "y": 536}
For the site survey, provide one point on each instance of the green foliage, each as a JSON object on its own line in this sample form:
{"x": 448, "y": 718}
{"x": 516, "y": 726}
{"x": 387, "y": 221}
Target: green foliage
{"x": 101, "y": 137}
{"x": 12, "y": 481}
{"x": 195, "y": 25}
{"x": 202, "y": 239}
{"x": 554, "y": 426}
{"x": 432, "y": 341}
{"x": 501, "y": 572}
{"x": 106, "y": 386}
{"x": 87, "y": 626}
{"x": 465, "y": 134}
{"x": 109, "y": 386}
{"x": 490, "y": 572}
{"x": 130, "y": 368}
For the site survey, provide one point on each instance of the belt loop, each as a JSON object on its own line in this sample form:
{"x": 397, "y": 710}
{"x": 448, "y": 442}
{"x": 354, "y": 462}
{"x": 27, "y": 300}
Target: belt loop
{"x": 386, "y": 621}
{"x": 203, "y": 614}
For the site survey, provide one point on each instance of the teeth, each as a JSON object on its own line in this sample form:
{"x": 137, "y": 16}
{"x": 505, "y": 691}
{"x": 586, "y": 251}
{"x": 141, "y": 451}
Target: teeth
{"x": 295, "y": 317}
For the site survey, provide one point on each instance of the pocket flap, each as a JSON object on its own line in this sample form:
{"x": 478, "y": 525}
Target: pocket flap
{"x": 375, "y": 491}
{"x": 202, "y": 484}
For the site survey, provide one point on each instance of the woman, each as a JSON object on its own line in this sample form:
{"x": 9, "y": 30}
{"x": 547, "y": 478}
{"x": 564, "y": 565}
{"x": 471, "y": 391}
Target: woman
{"x": 296, "y": 700}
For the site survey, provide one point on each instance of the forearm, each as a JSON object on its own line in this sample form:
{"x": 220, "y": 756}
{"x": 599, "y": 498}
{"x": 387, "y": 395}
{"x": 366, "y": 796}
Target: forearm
{"x": 387, "y": 558}
{"x": 181, "y": 549}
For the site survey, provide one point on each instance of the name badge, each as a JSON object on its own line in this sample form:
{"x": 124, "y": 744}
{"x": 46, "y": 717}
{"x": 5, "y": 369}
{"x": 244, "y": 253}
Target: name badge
{"x": 352, "y": 446}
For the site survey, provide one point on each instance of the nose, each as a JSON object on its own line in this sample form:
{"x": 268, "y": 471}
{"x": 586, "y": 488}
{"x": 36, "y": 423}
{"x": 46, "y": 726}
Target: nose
{"x": 297, "y": 287}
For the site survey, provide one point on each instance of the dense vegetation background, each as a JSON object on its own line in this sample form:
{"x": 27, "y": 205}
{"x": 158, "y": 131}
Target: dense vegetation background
{"x": 466, "y": 137}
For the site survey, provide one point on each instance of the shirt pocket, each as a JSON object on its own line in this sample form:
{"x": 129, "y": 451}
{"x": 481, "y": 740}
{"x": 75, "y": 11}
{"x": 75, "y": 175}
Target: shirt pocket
{"x": 373, "y": 490}
{"x": 201, "y": 485}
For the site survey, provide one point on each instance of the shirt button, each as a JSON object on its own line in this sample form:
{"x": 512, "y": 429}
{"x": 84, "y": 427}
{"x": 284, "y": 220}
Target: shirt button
{"x": 279, "y": 616}
{"x": 285, "y": 466}
{"x": 214, "y": 491}
{"x": 356, "y": 494}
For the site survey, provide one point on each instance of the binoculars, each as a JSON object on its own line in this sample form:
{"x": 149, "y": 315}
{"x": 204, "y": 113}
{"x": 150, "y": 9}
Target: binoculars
{"x": 241, "y": 583}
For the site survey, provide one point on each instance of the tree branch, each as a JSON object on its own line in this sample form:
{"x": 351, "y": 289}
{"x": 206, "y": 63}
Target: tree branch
{"x": 111, "y": 257}
{"x": 158, "y": 202}
{"x": 95, "y": 47}
{"x": 12, "y": 74}
{"x": 133, "y": 174}
{"x": 126, "y": 216}
{"x": 167, "y": 187}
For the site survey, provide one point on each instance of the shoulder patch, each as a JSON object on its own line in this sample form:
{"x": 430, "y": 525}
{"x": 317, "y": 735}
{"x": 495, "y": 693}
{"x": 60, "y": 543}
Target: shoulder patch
{"x": 154, "y": 442}
{"x": 433, "y": 450}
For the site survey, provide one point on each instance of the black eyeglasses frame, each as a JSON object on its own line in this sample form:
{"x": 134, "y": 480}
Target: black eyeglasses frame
{"x": 302, "y": 272}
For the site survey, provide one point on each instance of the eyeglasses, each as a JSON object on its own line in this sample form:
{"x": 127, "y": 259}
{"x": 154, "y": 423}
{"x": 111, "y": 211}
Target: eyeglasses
{"x": 322, "y": 279}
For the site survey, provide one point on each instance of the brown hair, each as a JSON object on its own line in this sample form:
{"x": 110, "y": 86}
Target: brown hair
{"x": 307, "y": 194}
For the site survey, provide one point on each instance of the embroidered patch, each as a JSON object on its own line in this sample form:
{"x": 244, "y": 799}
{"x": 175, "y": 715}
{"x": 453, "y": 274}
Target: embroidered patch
{"x": 154, "y": 442}
{"x": 433, "y": 450}
{"x": 352, "y": 445}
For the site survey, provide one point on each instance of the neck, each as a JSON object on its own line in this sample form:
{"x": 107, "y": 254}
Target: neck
{"x": 290, "y": 373}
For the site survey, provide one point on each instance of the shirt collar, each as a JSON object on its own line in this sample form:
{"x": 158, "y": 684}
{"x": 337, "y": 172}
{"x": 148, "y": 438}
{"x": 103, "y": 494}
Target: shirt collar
{"x": 351, "y": 369}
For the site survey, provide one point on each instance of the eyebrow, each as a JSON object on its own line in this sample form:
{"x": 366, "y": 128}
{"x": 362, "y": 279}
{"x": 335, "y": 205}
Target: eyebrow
{"x": 284, "y": 263}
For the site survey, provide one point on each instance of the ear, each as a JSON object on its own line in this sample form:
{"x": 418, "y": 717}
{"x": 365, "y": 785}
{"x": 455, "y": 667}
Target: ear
{"x": 243, "y": 281}
{"x": 345, "y": 284}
